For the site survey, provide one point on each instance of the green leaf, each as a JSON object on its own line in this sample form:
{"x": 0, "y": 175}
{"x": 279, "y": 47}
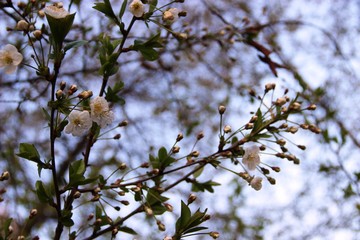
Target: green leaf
{"x": 42, "y": 193}
{"x": 112, "y": 93}
{"x": 208, "y": 186}
{"x": 162, "y": 154}
{"x": 184, "y": 217}
{"x": 164, "y": 158}
{"x": 76, "y": 174}
{"x": 74, "y": 44}
{"x": 122, "y": 9}
{"x": 106, "y": 9}
{"x": 153, "y": 197}
{"x": 195, "y": 229}
{"x": 155, "y": 163}
{"x": 65, "y": 219}
{"x": 127, "y": 230}
{"x": 152, "y": 7}
{"x": 198, "y": 172}
{"x": 147, "y": 48}
{"x": 258, "y": 122}
{"x": 47, "y": 115}
{"x": 29, "y": 151}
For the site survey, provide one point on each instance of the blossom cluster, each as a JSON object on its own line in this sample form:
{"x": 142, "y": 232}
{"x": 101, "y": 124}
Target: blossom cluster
{"x": 81, "y": 121}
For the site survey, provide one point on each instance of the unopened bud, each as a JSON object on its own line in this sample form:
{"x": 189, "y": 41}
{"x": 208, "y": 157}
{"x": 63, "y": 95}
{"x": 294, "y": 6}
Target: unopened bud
{"x": 124, "y": 123}
{"x": 295, "y": 106}
{"x": 206, "y": 217}
{"x": 114, "y": 232}
{"x": 292, "y": 129}
{"x": 145, "y": 165}
{"x": 191, "y": 198}
{"x": 214, "y": 235}
{"x": 77, "y": 194}
{"x": 62, "y": 85}
{"x": 304, "y": 126}
{"x": 280, "y": 155}
{"x": 22, "y": 25}
{"x": 302, "y": 147}
{"x": 249, "y": 126}
{"x": 59, "y": 94}
{"x": 98, "y": 221}
{"x": 284, "y": 125}
{"x": 253, "y": 119}
{"x": 280, "y": 101}
{"x": 270, "y": 86}
{"x": 179, "y": 137}
{"x": 276, "y": 169}
{"x": 5, "y": 176}
{"x": 97, "y": 190}
{"x": 200, "y": 135}
{"x": 262, "y": 148}
{"x": 281, "y": 142}
{"x": 37, "y": 34}
{"x": 155, "y": 171}
{"x": 10, "y": 230}
{"x": 168, "y": 207}
{"x": 122, "y": 166}
{"x": 85, "y": 94}
{"x": 117, "y": 136}
{"x": 312, "y": 107}
{"x": 21, "y": 237}
{"x": 227, "y": 129}
{"x": 72, "y": 89}
{"x": 222, "y": 109}
{"x": 175, "y": 149}
{"x": 148, "y": 211}
{"x": 33, "y": 213}
{"x": 252, "y": 92}
{"x": 161, "y": 226}
{"x": 195, "y": 154}
{"x": 271, "y": 180}
{"x": 126, "y": 203}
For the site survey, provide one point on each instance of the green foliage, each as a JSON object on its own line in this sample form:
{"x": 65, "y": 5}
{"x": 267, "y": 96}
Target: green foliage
{"x": 187, "y": 222}
{"x": 147, "y": 48}
{"x": 202, "y": 186}
{"x": 29, "y": 152}
{"x": 106, "y": 8}
{"x": 155, "y": 201}
{"x": 74, "y": 44}
{"x": 76, "y": 174}
{"x": 162, "y": 161}
{"x": 43, "y": 194}
{"x": 112, "y": 94}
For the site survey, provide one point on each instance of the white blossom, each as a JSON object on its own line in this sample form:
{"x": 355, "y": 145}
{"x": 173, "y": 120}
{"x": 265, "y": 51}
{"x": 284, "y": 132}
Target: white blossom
{"x": 251, "y": 157}
{"x": 136, "y": 7}
{"x": 79, "y": 122}
{"x": 56, "y": 11}
{"x": 100, "y": 112}
{"x": 255, "y": 183}
{"x": 10, "y": 58}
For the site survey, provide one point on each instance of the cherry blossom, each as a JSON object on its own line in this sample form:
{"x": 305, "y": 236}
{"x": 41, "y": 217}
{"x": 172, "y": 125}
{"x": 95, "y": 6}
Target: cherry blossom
{"x": 79, "y": 123}
{"x": 10, "y": 58}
